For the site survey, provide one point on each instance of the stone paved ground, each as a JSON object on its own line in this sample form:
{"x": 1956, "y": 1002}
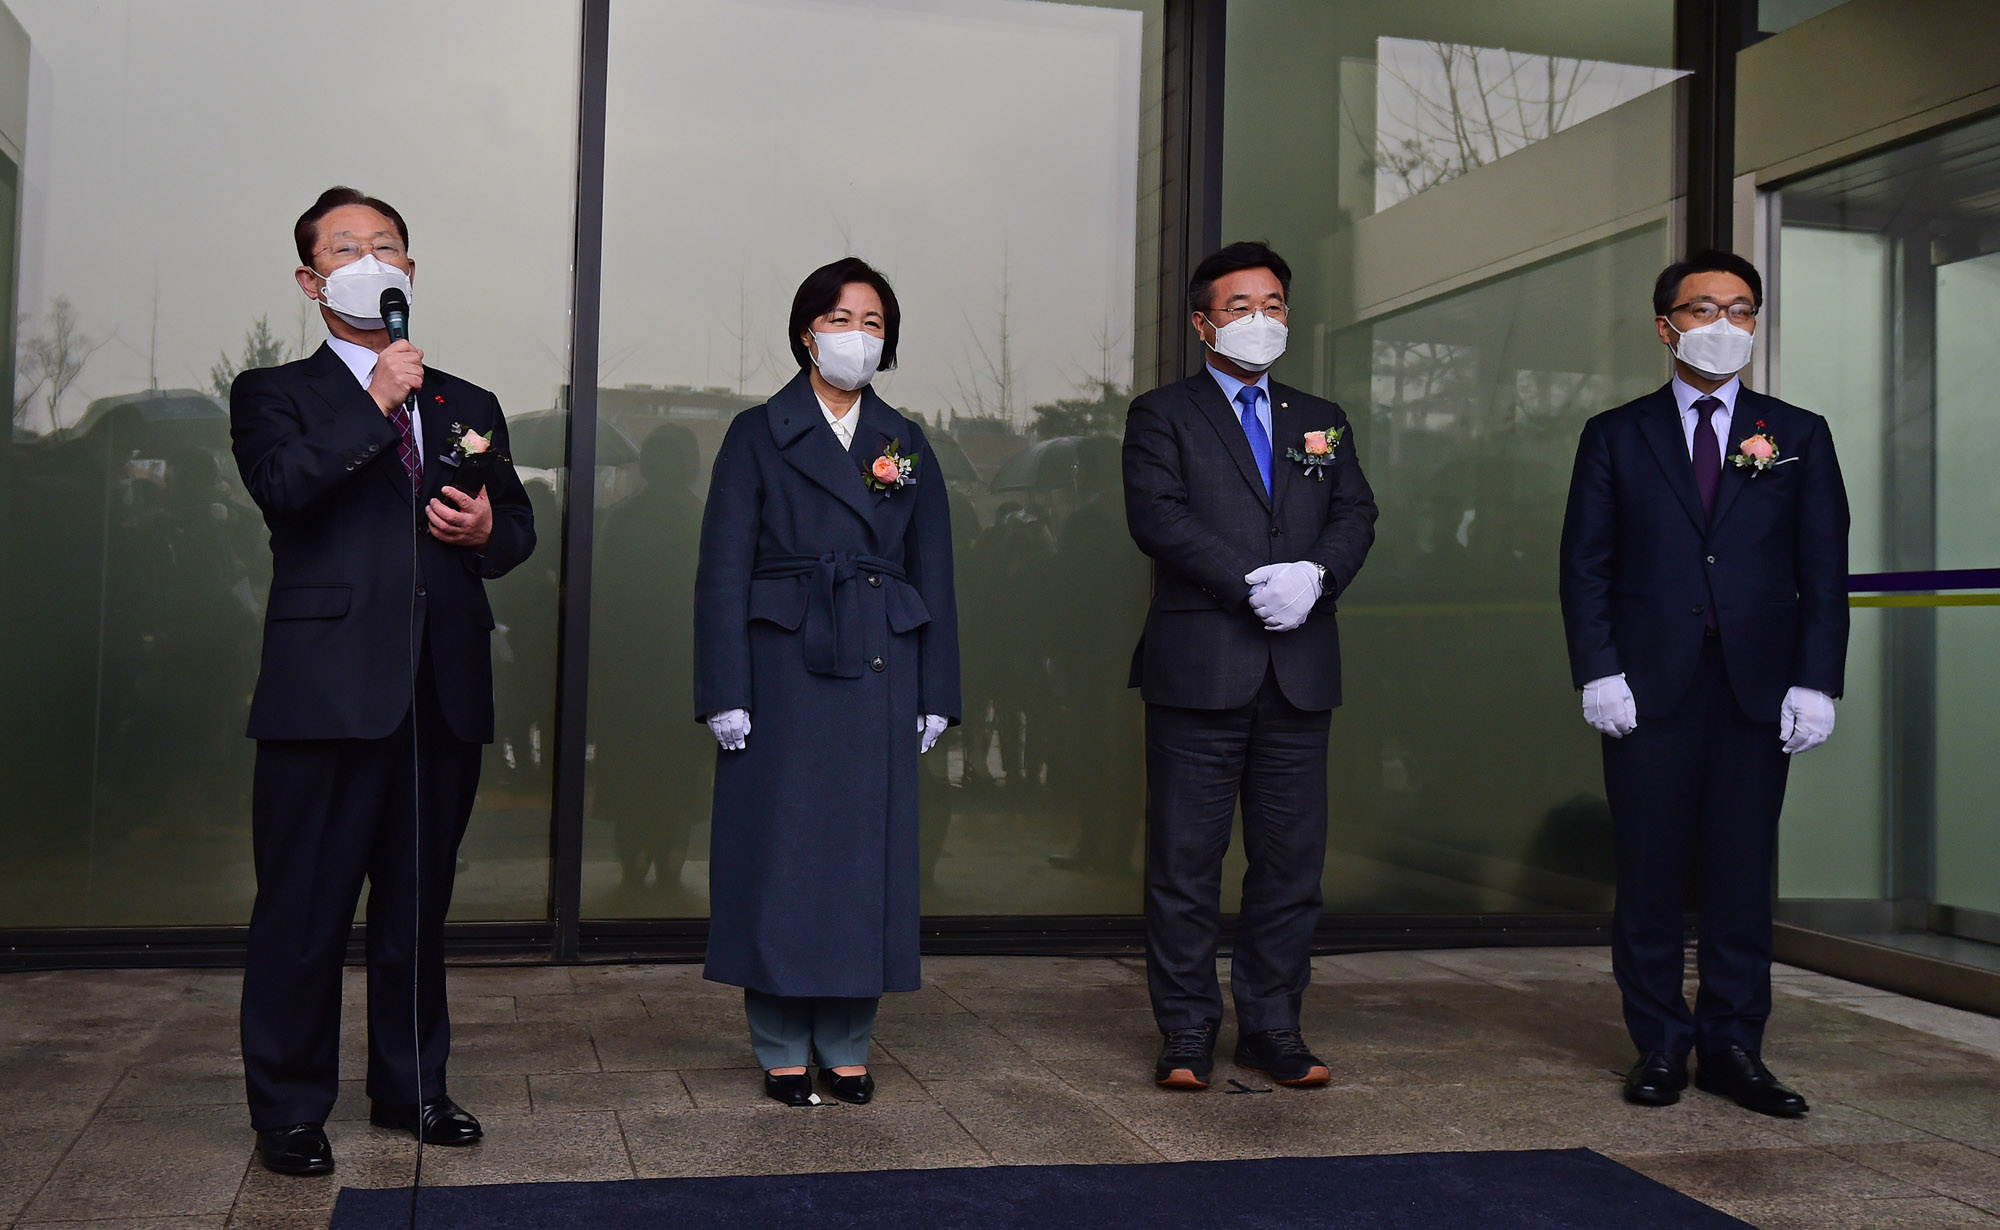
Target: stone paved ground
{"x": 123, "y": 1090}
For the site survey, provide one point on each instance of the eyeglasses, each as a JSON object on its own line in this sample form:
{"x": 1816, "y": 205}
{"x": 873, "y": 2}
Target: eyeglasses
{"x": 1707, "y": 312}
{"x": 1229, "y": 315}
{"x": 350, "y": 248}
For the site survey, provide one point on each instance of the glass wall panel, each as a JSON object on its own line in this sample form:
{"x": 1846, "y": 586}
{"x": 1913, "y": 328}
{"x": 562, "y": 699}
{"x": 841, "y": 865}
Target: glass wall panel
{"x": 1475, "y": 200}
{"x": 1889, "y": 300}
{"x": 168, "y": 149}
{"x": 998, "y": 160}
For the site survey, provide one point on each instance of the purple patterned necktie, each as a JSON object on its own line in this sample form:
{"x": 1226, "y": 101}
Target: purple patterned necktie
{"x": 407, "y": 450}
{"x": 1707, "y": 453}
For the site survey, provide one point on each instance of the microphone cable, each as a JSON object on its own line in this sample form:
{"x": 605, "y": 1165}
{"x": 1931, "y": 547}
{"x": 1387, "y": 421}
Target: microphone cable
{"x": 395, "y": 315}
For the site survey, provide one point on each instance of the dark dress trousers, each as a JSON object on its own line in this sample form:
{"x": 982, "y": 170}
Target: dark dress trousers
{"x": 1234, "y": 712}
{"x": 826, "y": 609}
{"x": 1696, "y": 789}
{"x": 375, "y": 694}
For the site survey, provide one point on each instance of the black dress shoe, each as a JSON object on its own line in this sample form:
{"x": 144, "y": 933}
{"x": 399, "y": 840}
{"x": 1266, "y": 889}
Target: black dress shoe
{"x": 855, "y": 1089}
{"x": 1656, "y": 1080}
{"x": 443, "y": 1121}
{"x": 795, "y": 1089}
{"x": 1282, "y": 1055}
{"x": 1736, "y": 1074}
{"x": 299, "y": 1149}
{"x": 1186, "y": 1058}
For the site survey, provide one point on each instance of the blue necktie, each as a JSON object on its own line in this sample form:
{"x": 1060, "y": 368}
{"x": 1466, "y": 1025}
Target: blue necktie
{"x": 1260, "y": 443}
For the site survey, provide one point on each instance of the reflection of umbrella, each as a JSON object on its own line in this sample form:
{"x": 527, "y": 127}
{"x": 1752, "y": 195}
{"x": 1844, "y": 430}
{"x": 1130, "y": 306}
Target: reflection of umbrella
{"x": 154, "y": 406}
{"x": 1045, "y": 463}
{"x": 539, "y": 440}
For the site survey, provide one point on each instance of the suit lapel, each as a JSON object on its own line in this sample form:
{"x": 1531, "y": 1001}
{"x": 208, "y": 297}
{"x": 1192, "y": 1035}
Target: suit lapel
{"x": 336, "y": 385}
{"x": 1743, "y": 420}
{"x": 1661, "y": 425}
{"x": 1208, "y": 399}
{"x": 793, "y": 413}
{"x": 435, "y": 414}
{"x": 1288, "y": 430}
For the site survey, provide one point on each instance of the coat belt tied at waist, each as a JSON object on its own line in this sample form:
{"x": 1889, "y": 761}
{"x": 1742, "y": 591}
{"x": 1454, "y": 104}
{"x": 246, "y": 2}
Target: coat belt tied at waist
{"x": 829, "y": 650}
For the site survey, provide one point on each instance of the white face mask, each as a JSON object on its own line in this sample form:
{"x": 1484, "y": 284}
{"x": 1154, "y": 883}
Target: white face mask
{"x": 848, "y": 359}
{"x": 354, "y": 291}
{"x": 1252, "y": 342}
{"x": 1717, "y": 350}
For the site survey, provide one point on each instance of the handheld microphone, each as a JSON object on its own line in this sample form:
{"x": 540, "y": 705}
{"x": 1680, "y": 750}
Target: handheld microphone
{"x": 396, "y": 314}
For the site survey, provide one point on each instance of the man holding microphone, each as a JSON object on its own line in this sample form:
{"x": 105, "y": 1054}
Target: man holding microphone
{"x": 375, "y": 693}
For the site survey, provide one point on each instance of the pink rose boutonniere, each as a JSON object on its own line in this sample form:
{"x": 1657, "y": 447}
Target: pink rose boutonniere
{"x": 1756, "y": 454}
{"x": 1318, "y": 450}
{"x": 893, "y": 470}
{"x": 471, "y": 455}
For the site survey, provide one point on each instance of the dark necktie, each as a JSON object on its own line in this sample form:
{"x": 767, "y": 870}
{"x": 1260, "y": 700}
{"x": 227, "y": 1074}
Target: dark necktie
{"x": 413, "y": 462}
{"x": 1253, "y": 427}
{"x": 1707, "y": 453}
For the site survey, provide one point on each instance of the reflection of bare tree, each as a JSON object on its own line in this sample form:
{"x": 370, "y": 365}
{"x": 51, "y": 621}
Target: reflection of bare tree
{"x": 1443, "y": 109}
{"x": 51, "y": 361}
{"x": 986, "y": 389}
{"x": 261, "y": 348}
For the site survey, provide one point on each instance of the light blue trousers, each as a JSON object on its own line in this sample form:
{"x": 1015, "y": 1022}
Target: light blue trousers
{"x": 786, "y": 1031}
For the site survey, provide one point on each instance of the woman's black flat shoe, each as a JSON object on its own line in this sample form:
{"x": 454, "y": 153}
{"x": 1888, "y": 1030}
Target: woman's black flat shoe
{"x": 855, "y": 1089}
{"x": 793, "y": 1090}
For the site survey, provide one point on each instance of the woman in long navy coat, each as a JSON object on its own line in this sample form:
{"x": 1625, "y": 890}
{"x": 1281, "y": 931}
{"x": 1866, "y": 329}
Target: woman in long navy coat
{"x": 824, "y": 615}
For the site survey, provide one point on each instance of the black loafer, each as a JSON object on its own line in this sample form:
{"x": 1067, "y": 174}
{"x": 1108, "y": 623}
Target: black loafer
{"x": 1282, "y": 1055}
{"x": 795, "y": 1089}
{"x": 1656, "y": 1080}
{"x": 301, "y": 1149}
{"x": 439, "y": 1121}
{"x": 854, "y": 1089}
{"x": 1186, "y": 1057}
{"x": 1736, "y": 1074}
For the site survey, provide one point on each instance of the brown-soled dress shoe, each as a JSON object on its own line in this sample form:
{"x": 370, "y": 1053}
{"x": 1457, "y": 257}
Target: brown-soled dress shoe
{"x": 300, "y": 1149}
{"x": 1186, "y": 1057}
{"x": 1657, "y": 1079}
{"x": 1283, "y": 1056}
{"x": 1736, "y": 1074}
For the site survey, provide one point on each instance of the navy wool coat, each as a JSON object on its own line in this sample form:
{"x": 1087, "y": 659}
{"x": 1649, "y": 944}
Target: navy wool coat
{"x": 826, "y": 610}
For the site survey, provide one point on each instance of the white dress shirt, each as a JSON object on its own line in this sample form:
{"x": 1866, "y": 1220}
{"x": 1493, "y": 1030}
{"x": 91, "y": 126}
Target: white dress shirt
{"x": 361, "y": 361}
{"x": 842, "y": 424}
{"x": 1686, "y": 394}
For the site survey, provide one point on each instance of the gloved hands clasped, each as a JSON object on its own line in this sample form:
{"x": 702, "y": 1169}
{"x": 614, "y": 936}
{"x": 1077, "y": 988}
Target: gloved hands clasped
{"x": 1282, "y": 595}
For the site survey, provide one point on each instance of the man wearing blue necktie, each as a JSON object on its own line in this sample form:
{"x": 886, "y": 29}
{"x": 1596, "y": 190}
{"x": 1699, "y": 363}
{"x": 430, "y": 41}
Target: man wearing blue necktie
{"x": 1247, "y": 495}
{"x": 1704, "y": 593}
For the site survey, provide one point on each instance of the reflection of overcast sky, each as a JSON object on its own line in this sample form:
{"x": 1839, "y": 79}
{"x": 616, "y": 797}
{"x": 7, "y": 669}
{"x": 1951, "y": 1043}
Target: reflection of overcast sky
{"x": 183, "y": 139}
{"x": 750, "y": 140}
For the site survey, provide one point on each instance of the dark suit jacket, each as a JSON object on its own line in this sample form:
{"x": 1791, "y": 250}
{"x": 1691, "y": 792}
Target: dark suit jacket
{"x": 321, "y": 461}
{"x": 1196, "y": 504}
{"x": 1640, "y": 568}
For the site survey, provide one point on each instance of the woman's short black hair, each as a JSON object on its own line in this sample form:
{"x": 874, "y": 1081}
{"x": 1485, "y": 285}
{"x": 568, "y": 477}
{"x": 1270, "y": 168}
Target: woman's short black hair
{"x": 820, "y": 294}
{"x": 1710, "y": 260}
{"x": 1235, "y": 259}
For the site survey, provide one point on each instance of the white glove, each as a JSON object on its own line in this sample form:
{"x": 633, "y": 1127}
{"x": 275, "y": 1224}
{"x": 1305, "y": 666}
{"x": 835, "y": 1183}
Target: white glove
{"x": 929, "y": 727}
{"x": 1805, "y": 720}
{"x": 1608, "y": 706}
{"x": 1282, "y": 595}
{"x": 731, "y": 727}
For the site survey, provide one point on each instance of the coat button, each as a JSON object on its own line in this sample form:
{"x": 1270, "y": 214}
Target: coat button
{"x": 420, "y": 591}
{"x": 1711, "y": 559}
{"x": 1274, "y": 531}
{"x": 874, "y": 580}
{"x": 877, "y": 664}
{"x": 374, "y": 449}
{"x": 352, "y": 464}
{"x": 1698, "y": 610}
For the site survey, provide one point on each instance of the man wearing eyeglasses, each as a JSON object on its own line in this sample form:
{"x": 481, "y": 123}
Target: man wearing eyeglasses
{"x": 376, "y": 688}
{"x": 1249, "y": 498}
{"x": 1704, "y": 594}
